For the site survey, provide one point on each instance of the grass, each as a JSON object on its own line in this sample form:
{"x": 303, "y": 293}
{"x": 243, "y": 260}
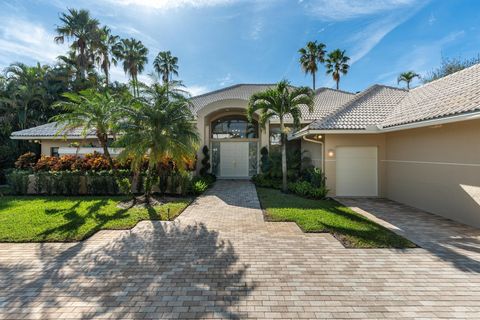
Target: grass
{"x": 57, "y": 218}
{"x": 349, "y": 227}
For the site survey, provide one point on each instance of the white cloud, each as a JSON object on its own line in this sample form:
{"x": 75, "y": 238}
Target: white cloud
{"x": 172, "y": 4}
{"x": 22, "y": 40}
{"x": 340, "y": 10}
{"x": 256, "y": 30}
{"x": 224, "y": 81}
{"x": 432, "y": 19}
{"x": 195, "y": 90}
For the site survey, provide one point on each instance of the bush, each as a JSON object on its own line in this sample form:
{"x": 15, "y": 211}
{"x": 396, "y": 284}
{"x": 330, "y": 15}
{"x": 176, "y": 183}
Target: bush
{"x": 199, "y": 187}
{"x": 307, "y": 190}
{"x": 18, "y": 181}
{"x": 205, "y": 162}
{"x": 26, "y": 161}
{"x": 264, "y": 161}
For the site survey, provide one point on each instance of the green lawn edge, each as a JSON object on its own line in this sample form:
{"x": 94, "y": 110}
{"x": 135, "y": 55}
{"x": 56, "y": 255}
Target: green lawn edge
{"x": 352, "y": 229}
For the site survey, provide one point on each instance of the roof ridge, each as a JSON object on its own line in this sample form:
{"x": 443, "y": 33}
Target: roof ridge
{"x": 232, "y": 87}
{"x": 331, "y": 89}
{"x": 446, "y": 77}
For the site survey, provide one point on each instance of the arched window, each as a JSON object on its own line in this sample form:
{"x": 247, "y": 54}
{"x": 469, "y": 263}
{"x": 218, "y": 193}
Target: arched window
{"x": 234, "y": 127}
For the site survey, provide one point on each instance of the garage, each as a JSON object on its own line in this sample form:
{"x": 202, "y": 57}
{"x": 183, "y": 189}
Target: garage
{"x": 356, "y": 171}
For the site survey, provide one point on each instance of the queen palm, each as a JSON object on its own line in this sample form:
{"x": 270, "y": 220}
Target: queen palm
{"x": 90, "y": 110}
{"x": 134, "y": 56}
{"x": 105, "y": 46}
{"x": 310, "y": 56}
{"x": 159, "y": 126}
{"x": 280, "y": 102}
{"x": 337, "y": 65}
{"x": 78, "y": 25}
{"x": 407, "y": 77}
{"x": 166, "y": 65}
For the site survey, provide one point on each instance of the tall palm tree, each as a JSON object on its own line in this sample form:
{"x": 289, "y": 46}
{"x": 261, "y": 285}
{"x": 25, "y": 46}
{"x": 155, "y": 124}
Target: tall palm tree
{"x": 166, "y": 65}
{"x": 280, "y": 102}
{"x": 158, "y": 125}
{"x": 407, "y": 77}
{"x": 312, "y": 54}
{"x": 79, "y": 26}
{"x": 105, "y": 46}
{"x": 337, "y": 64}
{"x": 90, "y": 110}
{"x": 134, "y": 56}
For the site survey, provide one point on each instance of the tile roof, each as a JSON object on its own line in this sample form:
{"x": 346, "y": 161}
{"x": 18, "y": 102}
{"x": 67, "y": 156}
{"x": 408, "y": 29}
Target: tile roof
{"x": 454, "y": 94}
{"x": 48, "y": 130}
{"x": 367, "y": 108}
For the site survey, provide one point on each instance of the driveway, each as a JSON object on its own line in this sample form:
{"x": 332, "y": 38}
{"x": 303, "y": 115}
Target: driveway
{"x": 219, "y": 259}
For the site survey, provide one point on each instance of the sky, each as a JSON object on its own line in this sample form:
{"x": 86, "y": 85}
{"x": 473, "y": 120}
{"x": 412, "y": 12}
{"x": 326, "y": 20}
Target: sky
{"x": 220, "y": 43}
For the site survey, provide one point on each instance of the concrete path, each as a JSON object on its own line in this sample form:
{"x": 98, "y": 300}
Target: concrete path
{"x": 219, "y": 259}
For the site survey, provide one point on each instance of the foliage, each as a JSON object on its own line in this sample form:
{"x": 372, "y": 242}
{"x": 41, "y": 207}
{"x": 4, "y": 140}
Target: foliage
{"x": 449, "y": 66}
{"x": 199, "y": 187}
{"x": 349, "y": 227}
{"x": 125, "y": 186}
{"x": 307, "y": 190}
{"x": 91, "y": 162}
{"x": 264, "y": 160}
{"x": 205, "y": 161}
{"x": 312, "y": 54}
{"x": 407, "y": 77}
{"x": 337, "y": 65}
{"x": 281, "y": 101}
{"x": 264, "y": 181}
{"x": 26, "y": 161}
{"x": 18, "y": 181}
{"x": 166, "y": 65}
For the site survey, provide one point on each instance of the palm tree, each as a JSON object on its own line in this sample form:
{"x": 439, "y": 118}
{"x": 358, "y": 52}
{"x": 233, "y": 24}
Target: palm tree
{"x": 78, "y": 25}
{"x": 105, "y": 47}
{"x": 159, "y": 126}
{"x": 312, "y": 54}
{"x": 166, "y": 65}
{"x": 280, "y": 102}
{"x": 134, "y": 56}
{"x": 90, "y": 110}
{"x": 407, "y": 77}
{"x": 337, "y": 64}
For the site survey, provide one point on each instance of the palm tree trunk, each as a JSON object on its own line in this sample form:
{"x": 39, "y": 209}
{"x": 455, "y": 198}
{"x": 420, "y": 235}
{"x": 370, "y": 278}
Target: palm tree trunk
{"x": 338, "y": 81}
{"x": 103, "y": 139}
{"x": 284, "y": 155}
{"x": 408, "y": 85}
{"x": 148, "y": 185}
{"x": 313, "y": 77}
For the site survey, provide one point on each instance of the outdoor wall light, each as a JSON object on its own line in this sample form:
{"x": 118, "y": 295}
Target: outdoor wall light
{"x": 331, "y": 153}
{"x": 319, "y": 137}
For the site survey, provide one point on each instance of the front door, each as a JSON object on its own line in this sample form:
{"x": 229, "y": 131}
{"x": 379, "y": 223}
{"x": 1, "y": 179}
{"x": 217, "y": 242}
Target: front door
{"x": 234, "y": 159}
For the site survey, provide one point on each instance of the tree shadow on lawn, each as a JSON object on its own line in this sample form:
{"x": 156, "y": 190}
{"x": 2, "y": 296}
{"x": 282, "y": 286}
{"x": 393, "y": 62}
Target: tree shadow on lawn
{"x": 161, "y": 268}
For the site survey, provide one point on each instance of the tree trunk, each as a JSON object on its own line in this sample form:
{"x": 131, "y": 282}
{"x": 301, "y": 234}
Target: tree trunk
{"x": 284, "y": 155}
{"x": 103, "y": 139}
{"x": 148, "y": 185}
{"x": 313, "y": 77}
{"x": 338, "y": 81}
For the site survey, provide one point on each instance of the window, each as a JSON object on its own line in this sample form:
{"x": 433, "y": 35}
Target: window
{"x": 234, "y": 127}
{"x": 54, "y": 151}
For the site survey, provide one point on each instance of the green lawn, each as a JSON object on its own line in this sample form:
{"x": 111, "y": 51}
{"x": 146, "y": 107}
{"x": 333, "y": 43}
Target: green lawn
{"x": 351, "y": 228}
{"x": 35, "y": 218}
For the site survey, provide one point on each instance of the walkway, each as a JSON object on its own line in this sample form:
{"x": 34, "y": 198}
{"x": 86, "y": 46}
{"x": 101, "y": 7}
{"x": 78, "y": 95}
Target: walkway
{"x": 221, "y": 260}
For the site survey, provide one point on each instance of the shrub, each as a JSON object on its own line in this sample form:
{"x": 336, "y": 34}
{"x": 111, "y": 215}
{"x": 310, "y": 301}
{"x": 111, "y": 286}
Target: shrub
{"x": 125, "y": 186}
{"x": 199, "y": 187}
{"x": 96, "y": 162}
{"x": 18, "y": 181}
{"x": 264, "y": 161}
{"x": 315, "y": 176}
{"x": 45, "y": 163}
{"x": 307, "y": 190}
{"x": 64, "y": 163}
{"x": 26, "y": 161}
{"x": 205, "y": 162}
{"x": 264, "y": 181}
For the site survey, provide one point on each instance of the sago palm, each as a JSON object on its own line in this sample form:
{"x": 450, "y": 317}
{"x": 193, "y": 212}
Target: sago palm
{"x": 407, "y": 77}
{"x": 79, "y": 26}
{"x": 337, "y": 65}
{"x": 281, "y": 102}
{"x": 310, "y": 56}
{"x": 90, "y": 110}
{"x": 166, "y": 65}
{"x": 159, "y": 125}
{"x": 134, "y": 56}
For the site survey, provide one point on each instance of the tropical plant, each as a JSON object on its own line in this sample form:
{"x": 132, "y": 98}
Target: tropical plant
{"x": 90, "y": 110}
{"x": 205, "y": 161}
{"x": 134, "y": 56}
{"x": 449, "y": 66}
{"x": 312, "y": 54}
{"x": 407, "y": 77}
{"x": 105, "y": 47}
{"x": 337, "y": 65}
{"x": 158, "y": 125}
{"x": 166, "y": 65}
{"x": 83, "y": 29}
{"x": 280, "y": 102}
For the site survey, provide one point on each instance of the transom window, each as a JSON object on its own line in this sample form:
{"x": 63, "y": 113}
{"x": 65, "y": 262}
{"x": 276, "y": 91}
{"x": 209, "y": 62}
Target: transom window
{"x": 234, "y": 127}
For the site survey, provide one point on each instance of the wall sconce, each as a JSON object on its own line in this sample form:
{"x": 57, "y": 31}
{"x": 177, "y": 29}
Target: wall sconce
{"x": 331, "y": 153}
{"x": 318, "y": 137}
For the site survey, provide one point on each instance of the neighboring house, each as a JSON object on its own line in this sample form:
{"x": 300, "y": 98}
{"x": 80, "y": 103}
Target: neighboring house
{"x": 419, "y": 147}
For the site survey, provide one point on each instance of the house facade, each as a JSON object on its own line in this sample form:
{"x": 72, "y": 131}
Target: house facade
{"x": 419, "y": 147}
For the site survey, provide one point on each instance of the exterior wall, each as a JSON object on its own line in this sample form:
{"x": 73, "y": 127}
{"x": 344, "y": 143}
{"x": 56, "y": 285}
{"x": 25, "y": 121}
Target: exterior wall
{"x": 332, "y": 141}
{"x": 313, "y": 151}
{"x": 437, "y": 169}
{"x": 47, "y": 144}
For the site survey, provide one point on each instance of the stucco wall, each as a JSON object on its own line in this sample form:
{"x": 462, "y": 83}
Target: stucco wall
{"x": 332, "y": 141}
{"x": 47, "y": 144}
{"x": 313, "y": 151}
{"x": 437, "y": 169}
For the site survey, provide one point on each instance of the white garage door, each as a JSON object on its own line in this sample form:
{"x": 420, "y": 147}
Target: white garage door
{"x": 357, "y": 174}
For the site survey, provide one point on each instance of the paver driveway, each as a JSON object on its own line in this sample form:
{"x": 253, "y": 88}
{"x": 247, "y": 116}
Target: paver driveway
{"x": 220, "y": 259}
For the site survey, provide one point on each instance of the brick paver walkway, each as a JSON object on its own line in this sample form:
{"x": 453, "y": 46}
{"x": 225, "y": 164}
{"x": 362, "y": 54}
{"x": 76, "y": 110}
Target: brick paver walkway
{"x": 219, "y": 259}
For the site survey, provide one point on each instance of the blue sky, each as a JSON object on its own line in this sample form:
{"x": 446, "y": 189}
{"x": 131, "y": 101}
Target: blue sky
{"x": 224, "y": 42}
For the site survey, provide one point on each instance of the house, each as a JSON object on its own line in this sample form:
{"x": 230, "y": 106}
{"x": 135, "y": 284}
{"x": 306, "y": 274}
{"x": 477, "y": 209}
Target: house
{"x": 419, "y": 147}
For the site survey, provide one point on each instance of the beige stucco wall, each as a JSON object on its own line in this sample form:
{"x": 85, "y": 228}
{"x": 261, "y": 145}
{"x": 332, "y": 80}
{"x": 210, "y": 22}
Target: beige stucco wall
{"x": 437, "y": 169}
{"x": 314, "y": 152}
{"x": 47, "y": 144}
{"x": 332, "y": 141}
